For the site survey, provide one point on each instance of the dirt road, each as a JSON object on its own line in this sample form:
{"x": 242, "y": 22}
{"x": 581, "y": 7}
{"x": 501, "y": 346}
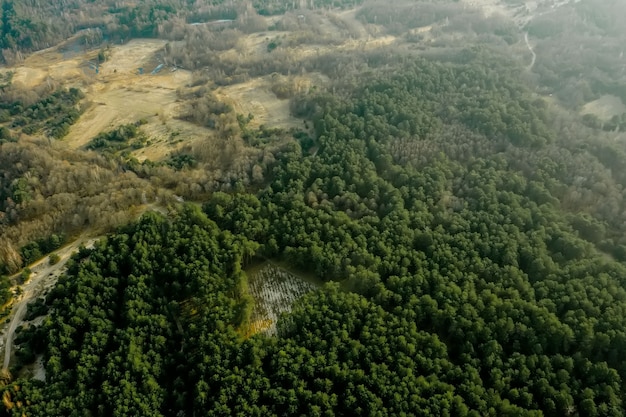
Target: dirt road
{"x": 530, "y": 48}
{"x": 43, "y": 277}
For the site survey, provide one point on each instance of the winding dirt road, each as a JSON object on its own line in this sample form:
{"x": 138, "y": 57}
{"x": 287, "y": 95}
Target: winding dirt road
{"x": 530, "y": 48}
{"x": 43, "y": 277}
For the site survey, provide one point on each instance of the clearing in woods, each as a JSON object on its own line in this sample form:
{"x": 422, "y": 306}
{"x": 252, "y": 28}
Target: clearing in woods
{"x": 605, "y": 107}
{"x": 119, "y": 94}
{"x": 274, "y": 290}
{"x": 256, "y": 97}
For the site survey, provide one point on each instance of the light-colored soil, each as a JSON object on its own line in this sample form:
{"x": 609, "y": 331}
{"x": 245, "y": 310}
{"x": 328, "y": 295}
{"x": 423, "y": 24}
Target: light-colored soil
{"x": 169, "y": 136}
{"x": 29, "y": 77}
{"x": 520, "y": 14}
{"x": 491, "y": 7}
{"x": 121, "y": 102}
{"x": 118, "y": 94}
{"x": 605, "y": 107}
{"x": 43, "y": 277}
{"x": 39, "y": 371}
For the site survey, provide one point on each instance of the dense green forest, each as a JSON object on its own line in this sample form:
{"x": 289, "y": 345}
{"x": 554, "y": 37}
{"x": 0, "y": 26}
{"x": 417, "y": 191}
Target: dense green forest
{"x": 472, "y": 235}
{"x": 469, "y": 286}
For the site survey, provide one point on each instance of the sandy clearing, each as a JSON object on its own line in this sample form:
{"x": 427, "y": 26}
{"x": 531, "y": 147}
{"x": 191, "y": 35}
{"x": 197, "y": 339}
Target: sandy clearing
{"x": 29, "y": 77}
{"x": 117, "y": 94}
{"x": 43, "y": 59}
{"x": 255, "y": 97}
{"x": 120, "y": 95}
{"x": 312, "y": 50}
{"x": 119, "y": 105}
{"x": 137, "y": 53}
{"x": 605, "y": 107}
{"x": 490, "y": 7}
{"x": 254, "y": 44}
{"x": 521, "y": 13}
{"x": 169, "y": 137}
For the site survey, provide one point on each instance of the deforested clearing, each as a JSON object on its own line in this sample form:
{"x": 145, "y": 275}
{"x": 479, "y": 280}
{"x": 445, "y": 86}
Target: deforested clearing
{"x": 274, "y": 290}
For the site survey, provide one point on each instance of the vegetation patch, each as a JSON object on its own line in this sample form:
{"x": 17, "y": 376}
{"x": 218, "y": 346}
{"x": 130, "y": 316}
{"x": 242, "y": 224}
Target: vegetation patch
{"x": 124, "y": 137}
{"x": 52, "y": 115}
{"x": 274, "y": 290}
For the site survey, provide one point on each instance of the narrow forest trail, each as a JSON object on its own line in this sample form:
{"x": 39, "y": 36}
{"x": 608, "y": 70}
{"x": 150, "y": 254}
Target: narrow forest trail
{"x": 530, "y": 48}
{"x": 43, "y": 277}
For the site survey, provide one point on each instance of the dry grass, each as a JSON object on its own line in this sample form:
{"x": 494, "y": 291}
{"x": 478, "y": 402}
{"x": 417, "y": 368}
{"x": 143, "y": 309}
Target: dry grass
{"x": 605, "y": 107}
{"x": 118, "y": 94}
{"x": 255, "y": 97}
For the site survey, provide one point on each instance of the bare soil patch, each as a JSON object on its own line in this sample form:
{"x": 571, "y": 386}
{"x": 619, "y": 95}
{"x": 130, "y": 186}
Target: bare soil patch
{"x": 170, "y": 136}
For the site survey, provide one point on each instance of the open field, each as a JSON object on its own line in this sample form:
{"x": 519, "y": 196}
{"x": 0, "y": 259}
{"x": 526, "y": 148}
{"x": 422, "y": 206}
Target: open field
{"x": 255, "y": 97}
{"x": 117, "y": 94}
{"x": 120, "y": 95}
{"x": 605, "y": 107}
{"x": 521, "y": 13}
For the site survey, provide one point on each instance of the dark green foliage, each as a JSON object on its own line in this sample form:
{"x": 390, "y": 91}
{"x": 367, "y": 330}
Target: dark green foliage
{"x": 473, "y": 291}
{"x": 24, "y": 275}
{"x": 53, "y": 259}
{"x": 36, "y": 250}
{"x": 465, "y": 232}
{"x": 463, "y": 246}
{"x": 52, "y": 115}
{"x": 5, "y": 288}
{"x": 119, "y": 139}
{"x": 272, "y": 45}
{"x": 181, "y": 161}
{"x": 36, "y": 309}
{"x": 133, "y": 314}
{"x": 5, "y": 134}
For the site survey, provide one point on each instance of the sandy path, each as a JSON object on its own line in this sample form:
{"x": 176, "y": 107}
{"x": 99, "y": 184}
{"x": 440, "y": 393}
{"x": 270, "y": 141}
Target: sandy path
{"x": 43, "y": 276}
{"x": 530, "y": 48}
